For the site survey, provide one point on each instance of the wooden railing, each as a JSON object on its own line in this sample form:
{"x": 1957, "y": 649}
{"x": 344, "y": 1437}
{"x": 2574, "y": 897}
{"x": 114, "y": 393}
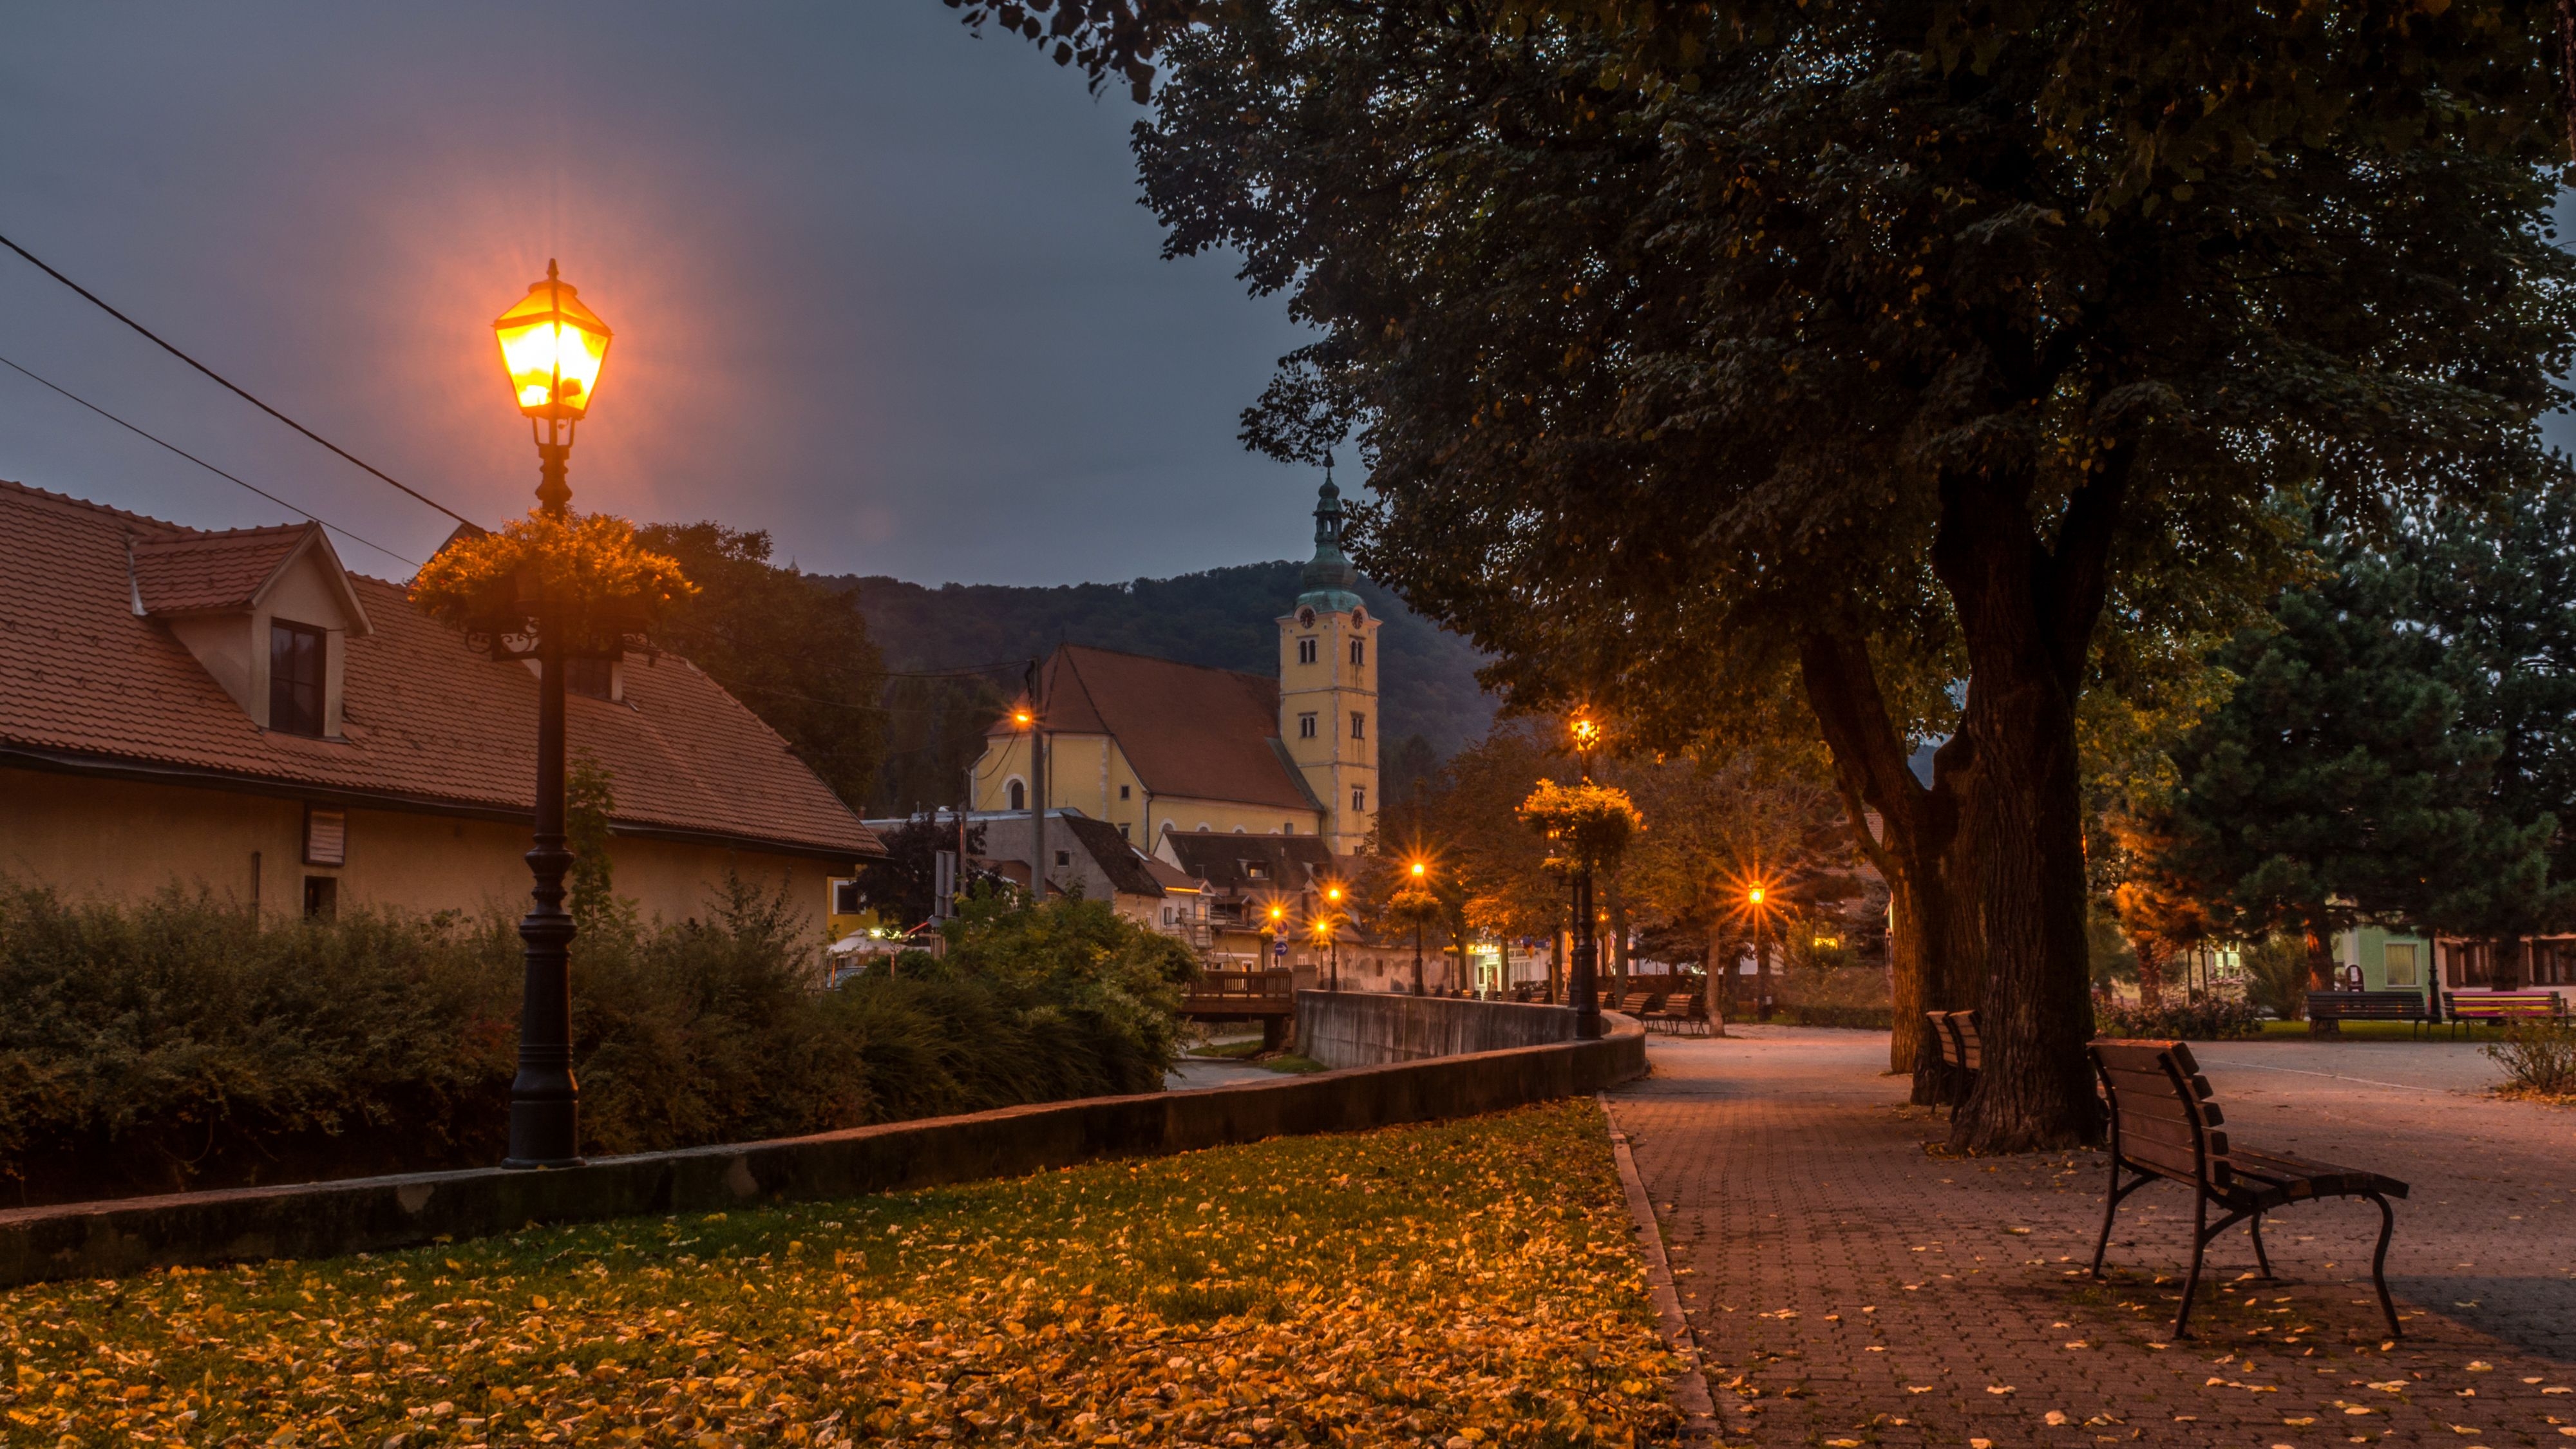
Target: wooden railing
{"x": 1242, "y": 991}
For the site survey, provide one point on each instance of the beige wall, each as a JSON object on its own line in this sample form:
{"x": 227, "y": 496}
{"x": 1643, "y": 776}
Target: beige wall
{"x": 118, "y": 839}
{"x": 1086, "y": 772}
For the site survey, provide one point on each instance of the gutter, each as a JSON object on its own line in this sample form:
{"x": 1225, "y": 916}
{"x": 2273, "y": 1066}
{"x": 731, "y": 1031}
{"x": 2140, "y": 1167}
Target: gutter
{"x": 143, "y": 772}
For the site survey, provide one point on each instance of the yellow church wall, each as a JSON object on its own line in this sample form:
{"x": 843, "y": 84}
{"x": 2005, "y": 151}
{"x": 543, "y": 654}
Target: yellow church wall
{"x": 126, "y": 840}
{"x": 1086, "y": 772}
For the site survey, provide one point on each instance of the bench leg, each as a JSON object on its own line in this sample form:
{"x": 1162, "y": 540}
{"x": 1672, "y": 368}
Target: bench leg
{"x": 2379, "y": 1263}
{"x": 2111, "y": 1206}
{"x": 2261, "y": 1261}
{"x": 2191, "y": 1281}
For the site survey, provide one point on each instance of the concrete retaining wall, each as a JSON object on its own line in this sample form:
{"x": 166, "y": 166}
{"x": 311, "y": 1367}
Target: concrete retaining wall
{"x": 1371, "y": 1028}
{"x": 320, "y": 1220}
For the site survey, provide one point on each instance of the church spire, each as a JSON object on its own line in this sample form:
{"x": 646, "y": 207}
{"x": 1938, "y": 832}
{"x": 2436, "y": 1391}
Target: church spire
{"x": 1330, "y": 576}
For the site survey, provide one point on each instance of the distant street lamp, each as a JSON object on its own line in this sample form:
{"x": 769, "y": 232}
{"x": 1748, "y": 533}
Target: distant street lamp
{"x": 1275, "y": 925}
{"x": 1587, "y": 999}
{"x": 1420, "y": 871}
{"x": 1756, "y": 899}
{"x": 553, "y": 348}
{"x": 1324, "y": 936}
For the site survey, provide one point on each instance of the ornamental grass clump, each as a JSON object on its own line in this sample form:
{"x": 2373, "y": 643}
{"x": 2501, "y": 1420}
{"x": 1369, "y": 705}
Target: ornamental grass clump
{"x": 603, "y": 590}
{"x": 2539, "y": 1059}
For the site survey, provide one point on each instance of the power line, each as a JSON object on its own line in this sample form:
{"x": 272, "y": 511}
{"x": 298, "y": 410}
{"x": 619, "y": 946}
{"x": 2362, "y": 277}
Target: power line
{"x": 209, "y": 467}
{"x": 237, "y": 391}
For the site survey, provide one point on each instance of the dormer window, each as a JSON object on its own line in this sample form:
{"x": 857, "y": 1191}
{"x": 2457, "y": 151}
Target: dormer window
{"x": 298, "y": 664}
{"x": 596, "y": 678}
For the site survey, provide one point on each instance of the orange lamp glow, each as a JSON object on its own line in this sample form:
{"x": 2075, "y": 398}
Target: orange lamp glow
{"x": 1278, "y": 913}
{"x": 1418, "y": 869}
{"x": 1585, "y": 732}
{"x": 1754, "y": 895}
{"x": 553, "y": 347}
{"x": 1023, "y": 718}
{"x": 1332, "y": 893}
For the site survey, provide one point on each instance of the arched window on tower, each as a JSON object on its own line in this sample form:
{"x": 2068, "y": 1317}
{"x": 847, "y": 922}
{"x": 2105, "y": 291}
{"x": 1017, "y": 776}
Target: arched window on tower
{"x": 1359, "y": 651}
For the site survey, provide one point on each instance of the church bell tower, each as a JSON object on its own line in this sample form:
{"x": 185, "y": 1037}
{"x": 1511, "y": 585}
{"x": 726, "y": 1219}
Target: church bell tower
{"x": 1328, "y": 713}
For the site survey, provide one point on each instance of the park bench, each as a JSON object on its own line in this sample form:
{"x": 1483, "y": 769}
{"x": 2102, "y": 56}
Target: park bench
{"x": 2503, "y": 1006}
{"x": 2164, "y": 1126}
{"x": 2368, "y": 1006}
{"x": 1961, "y": 1050}
{"x": 1681, "y": 1014}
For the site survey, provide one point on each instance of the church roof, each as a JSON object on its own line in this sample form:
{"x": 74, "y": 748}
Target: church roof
{"x": 1208, "y": 734}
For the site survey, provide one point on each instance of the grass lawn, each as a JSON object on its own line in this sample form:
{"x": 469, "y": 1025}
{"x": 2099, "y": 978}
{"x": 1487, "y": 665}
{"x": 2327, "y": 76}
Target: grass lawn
{"x": 2392, "y": 1031}
{"x": 1462, "y": 1281}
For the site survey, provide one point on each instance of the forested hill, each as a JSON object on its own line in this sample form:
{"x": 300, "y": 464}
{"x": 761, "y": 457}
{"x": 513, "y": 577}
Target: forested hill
{"x": 1227, "y": 618}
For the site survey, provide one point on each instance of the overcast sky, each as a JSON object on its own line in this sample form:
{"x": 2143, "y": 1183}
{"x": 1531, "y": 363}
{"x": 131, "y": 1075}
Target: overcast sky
{"x": 879, "y": 287}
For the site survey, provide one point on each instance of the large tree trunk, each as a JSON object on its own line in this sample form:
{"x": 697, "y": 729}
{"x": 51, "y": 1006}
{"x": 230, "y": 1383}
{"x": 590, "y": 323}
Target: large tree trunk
{"x": 1930, "y": 944}
{"x": 2026, "y": 614}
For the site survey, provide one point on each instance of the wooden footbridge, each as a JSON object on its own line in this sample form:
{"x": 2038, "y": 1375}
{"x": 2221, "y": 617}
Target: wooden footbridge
{"x": 1268, "y": 997}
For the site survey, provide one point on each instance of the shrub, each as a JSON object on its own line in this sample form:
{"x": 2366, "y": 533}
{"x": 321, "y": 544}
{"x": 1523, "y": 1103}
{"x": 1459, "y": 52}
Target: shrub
{"x": 179, "y": 1043}
{"x": 2539, "y": 1058}
{"x": 2211, "y": 1018}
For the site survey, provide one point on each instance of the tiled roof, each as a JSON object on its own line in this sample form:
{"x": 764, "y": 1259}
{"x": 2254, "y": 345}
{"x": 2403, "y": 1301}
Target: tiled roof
{"x": 1224, "y": 861}
{"x": 1208, "y": 734}
{"x": 83, "y": 680}
{"x": 202, "y": 571}
{"x": 1171, "y": 877}
{"x": 1118, "y": 859}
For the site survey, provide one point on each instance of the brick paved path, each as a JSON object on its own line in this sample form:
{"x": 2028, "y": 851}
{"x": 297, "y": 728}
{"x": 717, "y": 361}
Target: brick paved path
{"x": 1849, "y": 1287}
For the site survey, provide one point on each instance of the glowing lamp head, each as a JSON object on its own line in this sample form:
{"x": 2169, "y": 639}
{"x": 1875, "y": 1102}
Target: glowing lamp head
{"x": 1278, "y": 913}
{"x": 553, "y": 348}
{"x": 1586, "y": 732}
{"x": 1754, "y": 895}
{"x": 1023, "y": 718}
{"x": 1419, "y": 869}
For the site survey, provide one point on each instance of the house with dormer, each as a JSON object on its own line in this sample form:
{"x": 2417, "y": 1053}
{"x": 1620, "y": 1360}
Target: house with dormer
{"x": 235, "y": 711}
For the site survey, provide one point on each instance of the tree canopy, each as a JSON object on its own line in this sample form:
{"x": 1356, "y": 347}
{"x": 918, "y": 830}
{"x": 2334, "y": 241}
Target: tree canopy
{"x": 1862, "y": 351}
{"x": 792, "y": 648}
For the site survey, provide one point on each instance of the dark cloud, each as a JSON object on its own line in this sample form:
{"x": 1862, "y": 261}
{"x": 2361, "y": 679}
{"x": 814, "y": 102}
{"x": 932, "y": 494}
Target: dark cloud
{"x": 880, "y": 287}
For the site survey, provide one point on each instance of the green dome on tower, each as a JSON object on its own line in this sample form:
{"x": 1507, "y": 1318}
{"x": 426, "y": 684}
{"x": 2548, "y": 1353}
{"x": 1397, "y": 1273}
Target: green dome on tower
{"x": 1330, "y": 576}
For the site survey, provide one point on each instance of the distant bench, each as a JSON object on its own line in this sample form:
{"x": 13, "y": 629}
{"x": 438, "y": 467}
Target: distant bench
{"x": 2504, "y": 1006}
{"x": 2408, "y": 1006}
{"x": 1961, "y": 1049}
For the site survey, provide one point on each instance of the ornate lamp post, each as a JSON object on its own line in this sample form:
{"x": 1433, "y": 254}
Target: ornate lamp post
{"x": 1587, "y": 1000}
{"x": 553, "y": 348}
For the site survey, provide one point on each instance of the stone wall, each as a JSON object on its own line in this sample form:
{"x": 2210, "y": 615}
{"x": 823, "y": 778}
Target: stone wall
{"x": 327, "y": 1219}
{"x": 1370, "y": 1028}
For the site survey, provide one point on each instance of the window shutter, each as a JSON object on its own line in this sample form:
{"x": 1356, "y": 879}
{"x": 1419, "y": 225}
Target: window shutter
{"x": 326, "y": 837}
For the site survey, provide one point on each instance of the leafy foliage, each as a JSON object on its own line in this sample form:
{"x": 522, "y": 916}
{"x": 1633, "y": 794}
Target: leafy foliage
{"x": 2209, "y": 1018}
{"x": 903, "y": 887}
{"x": 1874, "y": 346}
{"x": 1587, "y": 824}
{"x": 1467, "y": 1279}
{"x": 600, "y": 584}
{"x": 787, "y": 644}
{"x": 181, "y": 1043}
{"x": 2339, "y": 782}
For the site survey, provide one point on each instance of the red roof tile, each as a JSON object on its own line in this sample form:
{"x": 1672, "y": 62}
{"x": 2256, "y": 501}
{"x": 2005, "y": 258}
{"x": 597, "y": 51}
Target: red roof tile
{"x": 206, "y": 571}
{"x": 1209, "y": 734}
{"x": 84, "y": 680}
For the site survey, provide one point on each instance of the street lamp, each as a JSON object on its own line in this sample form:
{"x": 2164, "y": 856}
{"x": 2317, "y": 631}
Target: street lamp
{"x": 553, "y": 348}
{"x": 1755, "y": 897}
{"x": 1420, "y": 870}
{"x": 1324, "y": 938}
{"x": 1277, "y": 917}
{"x": 1587, "y": 1000}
